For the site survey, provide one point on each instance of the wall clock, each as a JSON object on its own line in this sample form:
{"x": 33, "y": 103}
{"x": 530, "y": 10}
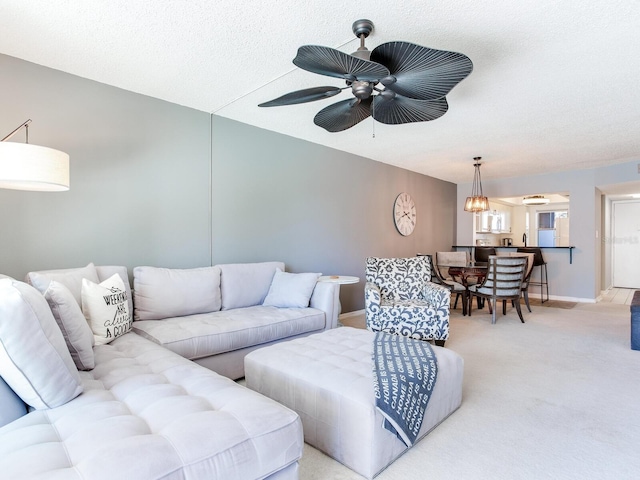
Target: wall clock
{"x": 404, "y": 214}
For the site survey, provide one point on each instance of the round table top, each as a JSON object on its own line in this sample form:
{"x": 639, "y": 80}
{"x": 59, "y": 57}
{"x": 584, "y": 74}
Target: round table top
{"x": 339, "y": 279}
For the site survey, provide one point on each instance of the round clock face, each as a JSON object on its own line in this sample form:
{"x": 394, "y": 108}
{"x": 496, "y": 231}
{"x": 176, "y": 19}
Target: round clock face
{"x": 404, "y": 214}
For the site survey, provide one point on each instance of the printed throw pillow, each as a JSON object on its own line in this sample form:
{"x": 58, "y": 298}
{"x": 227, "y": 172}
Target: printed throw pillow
{"x": 291, "y": 290}
{"x": 106, "y": 307}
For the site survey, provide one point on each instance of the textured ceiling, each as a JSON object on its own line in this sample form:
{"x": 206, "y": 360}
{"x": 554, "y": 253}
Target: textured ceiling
{"x": 555, "y": 84}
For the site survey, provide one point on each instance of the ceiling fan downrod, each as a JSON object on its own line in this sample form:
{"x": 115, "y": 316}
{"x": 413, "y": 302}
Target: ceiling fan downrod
{"x": 361, "y": 29}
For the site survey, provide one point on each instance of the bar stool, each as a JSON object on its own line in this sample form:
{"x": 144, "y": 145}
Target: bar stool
{"x": 481, "y": 254}
{"x": 538, "y": 261}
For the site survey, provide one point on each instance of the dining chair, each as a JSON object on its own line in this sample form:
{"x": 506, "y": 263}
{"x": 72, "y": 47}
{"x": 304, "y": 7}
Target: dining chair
{"x": 455, "y": 287}
{"x": 503, "y": 282}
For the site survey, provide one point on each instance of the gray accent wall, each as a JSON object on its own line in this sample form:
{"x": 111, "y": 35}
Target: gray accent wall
{"x": 317, "y": 209}
{"x": 139, "y": 171}
{"x": 153, "y": 183}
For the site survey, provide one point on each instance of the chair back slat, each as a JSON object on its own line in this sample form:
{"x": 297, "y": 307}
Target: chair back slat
{"x": 504, "y": 276}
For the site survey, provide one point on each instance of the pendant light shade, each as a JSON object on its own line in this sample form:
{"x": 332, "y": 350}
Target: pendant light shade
{"x": 31, "y": 167}
{"x": 477, "y": 202}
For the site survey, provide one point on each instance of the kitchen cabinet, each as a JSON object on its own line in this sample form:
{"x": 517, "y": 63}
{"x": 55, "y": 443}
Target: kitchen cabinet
{"x": 496, "y": 220}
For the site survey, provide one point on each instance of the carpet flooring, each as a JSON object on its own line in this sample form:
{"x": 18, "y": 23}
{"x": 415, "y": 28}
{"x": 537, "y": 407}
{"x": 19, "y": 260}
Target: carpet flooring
{"x": 557, "y": 397}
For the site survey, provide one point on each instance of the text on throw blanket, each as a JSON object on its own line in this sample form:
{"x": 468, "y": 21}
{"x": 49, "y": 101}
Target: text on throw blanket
{"x": 405, "y": 372}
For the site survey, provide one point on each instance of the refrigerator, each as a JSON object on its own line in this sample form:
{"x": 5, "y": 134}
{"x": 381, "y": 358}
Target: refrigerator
{"x": 546, "y": 237}
{"x": 555, "y": 237}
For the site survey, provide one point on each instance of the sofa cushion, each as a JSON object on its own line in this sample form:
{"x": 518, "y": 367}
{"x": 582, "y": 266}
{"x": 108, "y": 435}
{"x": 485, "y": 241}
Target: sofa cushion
{"x": 34, "y": 360}
{"x": 208, "y": 334}
{"x": 69, "y": 277}
{"x": 246, "y": 284}
{"x": 73, "y": 325}
{"x": 165, "y": 292}
{"x": 147, "y": 413}
{"x": 291, "y": 290}
{"x": 106, "y": 308}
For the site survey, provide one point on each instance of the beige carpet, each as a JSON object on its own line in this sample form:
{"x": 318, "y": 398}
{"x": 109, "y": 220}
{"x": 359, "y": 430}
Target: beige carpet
{"x": 557, "y": 397}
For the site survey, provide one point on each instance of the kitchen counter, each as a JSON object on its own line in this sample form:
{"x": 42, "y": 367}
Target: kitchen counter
{"x": 501, "y": 247}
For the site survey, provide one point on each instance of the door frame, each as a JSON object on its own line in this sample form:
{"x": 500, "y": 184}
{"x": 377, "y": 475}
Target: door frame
{"x": 614, "y": 244}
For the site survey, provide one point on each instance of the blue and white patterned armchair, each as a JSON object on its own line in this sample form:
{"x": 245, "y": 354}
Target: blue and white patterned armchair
{"x": 401, "y": 299}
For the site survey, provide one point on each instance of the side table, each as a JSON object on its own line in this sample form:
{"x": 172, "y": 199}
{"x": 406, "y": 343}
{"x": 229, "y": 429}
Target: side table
{"x": 342, "y": 280}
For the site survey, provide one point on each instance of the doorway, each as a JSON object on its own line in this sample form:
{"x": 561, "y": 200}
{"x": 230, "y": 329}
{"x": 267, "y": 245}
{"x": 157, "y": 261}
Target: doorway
{"x": 626, "y": 244}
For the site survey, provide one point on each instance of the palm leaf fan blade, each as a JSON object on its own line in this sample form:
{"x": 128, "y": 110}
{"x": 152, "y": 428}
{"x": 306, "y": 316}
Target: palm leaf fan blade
{"x": 334, "y": 63}
{"x": 420, "y": 72}
{"x": 398, "y": 110}
{"x": 302, "y": 96}
{"x": 343, "y": 115}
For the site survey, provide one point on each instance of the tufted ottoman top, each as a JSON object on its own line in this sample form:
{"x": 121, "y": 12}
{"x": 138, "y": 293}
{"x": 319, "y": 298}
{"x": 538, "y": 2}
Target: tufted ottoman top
{"x": 327, "y": 379}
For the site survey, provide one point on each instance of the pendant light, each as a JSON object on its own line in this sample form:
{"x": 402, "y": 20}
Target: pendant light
{"x": 477, "y": 202}
{"x": 535, "y": 200}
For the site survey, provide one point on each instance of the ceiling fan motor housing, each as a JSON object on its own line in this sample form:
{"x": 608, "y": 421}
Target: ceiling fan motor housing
{"x": 362, "y": 90}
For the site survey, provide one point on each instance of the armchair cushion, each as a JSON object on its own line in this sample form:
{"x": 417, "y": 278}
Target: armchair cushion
{"x": 398, "y": 278}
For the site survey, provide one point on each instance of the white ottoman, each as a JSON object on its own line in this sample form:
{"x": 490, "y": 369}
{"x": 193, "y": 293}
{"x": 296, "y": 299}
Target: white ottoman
{"x": 327, "y": 379}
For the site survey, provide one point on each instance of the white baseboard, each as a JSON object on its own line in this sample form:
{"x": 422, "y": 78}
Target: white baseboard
{"x": 566, "y": 299}
{"x": 351, "y": 314}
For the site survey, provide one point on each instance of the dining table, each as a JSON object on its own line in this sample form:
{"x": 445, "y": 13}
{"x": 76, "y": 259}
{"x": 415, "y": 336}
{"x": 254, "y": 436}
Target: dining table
{"x": 471, "y": 273}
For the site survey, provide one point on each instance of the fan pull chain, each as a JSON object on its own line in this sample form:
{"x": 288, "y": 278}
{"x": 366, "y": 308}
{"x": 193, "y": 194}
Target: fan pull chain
{"x": 373, "y": 124}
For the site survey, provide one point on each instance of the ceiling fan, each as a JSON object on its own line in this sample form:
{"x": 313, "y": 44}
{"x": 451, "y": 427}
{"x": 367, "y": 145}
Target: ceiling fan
{"x": 397, "y": 82}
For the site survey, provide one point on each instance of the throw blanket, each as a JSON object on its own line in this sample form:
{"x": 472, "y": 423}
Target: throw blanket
{"x": 404, "y": 374}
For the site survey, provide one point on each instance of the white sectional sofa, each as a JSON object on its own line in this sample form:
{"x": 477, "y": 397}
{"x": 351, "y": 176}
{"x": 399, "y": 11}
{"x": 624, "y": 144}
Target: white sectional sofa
{"x": 218, "y": 327}
{"x": 136, "y": 408}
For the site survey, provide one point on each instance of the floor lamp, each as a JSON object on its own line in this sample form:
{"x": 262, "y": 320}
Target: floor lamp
{"x": 31, "y": 167}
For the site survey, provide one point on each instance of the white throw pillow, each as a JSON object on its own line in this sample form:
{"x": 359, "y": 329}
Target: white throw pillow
{"x": 72, "y": 323}
{"x": 171, "y": 292}
{"x": 106, "y": 307}
{"x": 69, "y": 277}
{"x": 291, "y": 290}
{"x": 34, "y": 360}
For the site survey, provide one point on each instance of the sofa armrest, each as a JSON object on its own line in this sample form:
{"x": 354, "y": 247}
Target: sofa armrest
{"x": 437, "y": 295}
{"x": 326, "y": 297}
